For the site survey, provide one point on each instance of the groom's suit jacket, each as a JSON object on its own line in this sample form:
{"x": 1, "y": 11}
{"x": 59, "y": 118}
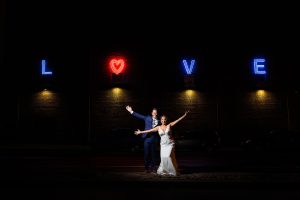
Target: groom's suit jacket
{"x": 148, "y": 125}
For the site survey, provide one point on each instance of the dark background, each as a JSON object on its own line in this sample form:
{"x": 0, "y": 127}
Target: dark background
{"x": 77, "y": 37}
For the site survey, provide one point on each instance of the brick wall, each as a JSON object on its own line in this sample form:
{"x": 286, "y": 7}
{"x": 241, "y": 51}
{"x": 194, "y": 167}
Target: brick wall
{"x": 55, "y": 117}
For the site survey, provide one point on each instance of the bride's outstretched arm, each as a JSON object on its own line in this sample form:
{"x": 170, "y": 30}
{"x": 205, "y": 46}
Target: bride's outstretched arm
{"x": 176, "y": 121}
{"x": 147, "y": 131}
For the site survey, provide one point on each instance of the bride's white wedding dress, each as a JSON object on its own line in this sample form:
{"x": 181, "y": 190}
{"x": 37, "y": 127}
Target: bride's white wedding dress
{"x": 168, "y": 164}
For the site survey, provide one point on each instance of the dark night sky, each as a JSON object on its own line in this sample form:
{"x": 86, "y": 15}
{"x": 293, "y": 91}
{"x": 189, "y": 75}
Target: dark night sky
{"x": 224, "y": 37}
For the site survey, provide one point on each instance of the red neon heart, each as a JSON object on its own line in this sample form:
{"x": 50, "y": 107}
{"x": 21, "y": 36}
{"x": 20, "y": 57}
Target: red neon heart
{"x": 117, "y": 65}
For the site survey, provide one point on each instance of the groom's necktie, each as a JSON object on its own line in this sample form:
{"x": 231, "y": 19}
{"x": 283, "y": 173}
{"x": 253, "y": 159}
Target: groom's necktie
{"x": 154, "y": 122}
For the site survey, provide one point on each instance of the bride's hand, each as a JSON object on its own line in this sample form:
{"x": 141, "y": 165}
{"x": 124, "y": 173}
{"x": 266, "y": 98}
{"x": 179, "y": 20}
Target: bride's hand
{"x": 137, "y": 132}
{"x": 186, "y": 112}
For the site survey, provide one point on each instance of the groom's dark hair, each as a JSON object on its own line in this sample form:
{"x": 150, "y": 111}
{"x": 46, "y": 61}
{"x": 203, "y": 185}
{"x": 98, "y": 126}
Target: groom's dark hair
{"x": 154, "y": 109}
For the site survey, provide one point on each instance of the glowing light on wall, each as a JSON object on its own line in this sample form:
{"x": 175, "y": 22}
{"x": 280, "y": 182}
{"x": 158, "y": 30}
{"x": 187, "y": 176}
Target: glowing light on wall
{"x": 188, "y": 68}
{"x": 260, "y": 93}
{"x": 190, "y": 93}
{"x": 117, "y": 65}
{"x": 259, "y": 66}
{"x": 261, "y": 97}
{"x": 46, "y": 93}
{"x": 46, "y": 103}
{"x": 188, "y": 97}
{"x": 47, "y": 96}
{"x": 44, "y": 72}
{"x": 118, "y": 95}
{"x": 117, "y": 91}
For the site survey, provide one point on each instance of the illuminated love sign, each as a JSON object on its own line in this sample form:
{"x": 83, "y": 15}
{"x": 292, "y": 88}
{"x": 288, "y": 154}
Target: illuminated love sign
{"x": 43, "y": 65}
{"x": 188, "y": 68}
{"x": 259, "y": 66}
{"x": 117, "y": 65}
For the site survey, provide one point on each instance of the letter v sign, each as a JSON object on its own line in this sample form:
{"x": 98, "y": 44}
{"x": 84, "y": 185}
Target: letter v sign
{"x": 188, "y": 68}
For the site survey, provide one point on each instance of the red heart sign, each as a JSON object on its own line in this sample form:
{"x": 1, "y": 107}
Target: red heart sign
{"x": 117, "y": 65}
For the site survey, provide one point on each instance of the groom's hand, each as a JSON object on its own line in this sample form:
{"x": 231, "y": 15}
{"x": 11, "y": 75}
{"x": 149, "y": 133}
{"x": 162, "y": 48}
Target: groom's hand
{"x": 129, "y": 109}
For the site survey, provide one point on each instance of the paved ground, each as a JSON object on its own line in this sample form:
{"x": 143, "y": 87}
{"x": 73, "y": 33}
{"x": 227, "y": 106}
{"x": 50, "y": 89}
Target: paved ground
{"x": 66, "y": 173}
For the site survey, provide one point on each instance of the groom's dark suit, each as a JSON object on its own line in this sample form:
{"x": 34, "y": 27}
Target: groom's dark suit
{"x": 150, "y": 140}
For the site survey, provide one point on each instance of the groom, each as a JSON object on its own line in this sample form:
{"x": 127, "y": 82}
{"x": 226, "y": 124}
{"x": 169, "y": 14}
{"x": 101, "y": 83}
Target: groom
{"x": 150, "y": 139}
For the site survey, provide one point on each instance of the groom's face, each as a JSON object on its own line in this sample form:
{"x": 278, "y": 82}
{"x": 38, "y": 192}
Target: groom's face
{"x": 154, "y": 113}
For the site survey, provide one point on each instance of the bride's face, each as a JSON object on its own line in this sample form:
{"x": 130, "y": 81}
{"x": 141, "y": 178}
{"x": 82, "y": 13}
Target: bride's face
{"x": 163, "y": 120}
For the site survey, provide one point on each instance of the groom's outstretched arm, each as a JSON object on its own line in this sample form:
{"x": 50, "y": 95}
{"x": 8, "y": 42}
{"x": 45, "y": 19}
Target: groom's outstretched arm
{"x": 137, "y": 115}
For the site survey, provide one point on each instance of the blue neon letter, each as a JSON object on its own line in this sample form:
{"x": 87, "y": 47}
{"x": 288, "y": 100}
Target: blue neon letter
{"x": 44, "y": 72}
{"x": 259, "y": 66}
{"x": 188, "y": 69}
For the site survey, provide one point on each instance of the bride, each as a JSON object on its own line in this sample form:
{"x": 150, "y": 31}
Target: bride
{"x": 168, "y": 164}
